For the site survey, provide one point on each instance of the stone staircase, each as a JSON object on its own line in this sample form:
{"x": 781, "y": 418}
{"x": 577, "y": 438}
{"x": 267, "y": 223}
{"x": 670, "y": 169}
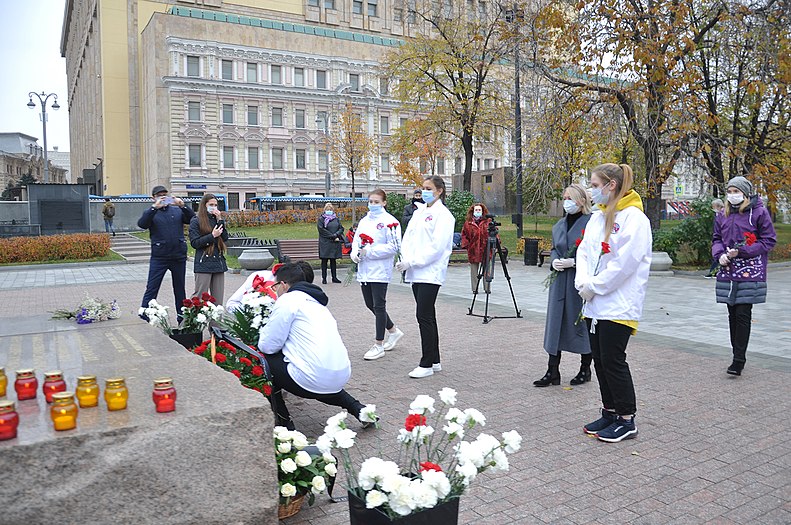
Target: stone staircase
{"x": 131, "y": 248}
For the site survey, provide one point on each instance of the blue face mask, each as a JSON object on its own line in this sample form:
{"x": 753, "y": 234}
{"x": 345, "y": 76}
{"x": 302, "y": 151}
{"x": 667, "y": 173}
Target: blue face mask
{"x": 329, "y": 213}
{"x": 375, "y": 209}
{"x": 477, "y": 214}
{"x": 428, "y": 196}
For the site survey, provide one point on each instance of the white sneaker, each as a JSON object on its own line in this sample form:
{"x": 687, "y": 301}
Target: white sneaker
{"x": 419, "y": 372}
{"x": 375, "y": 352}
{"x": 392, "y": 339}
{"x": 436, "y": 367}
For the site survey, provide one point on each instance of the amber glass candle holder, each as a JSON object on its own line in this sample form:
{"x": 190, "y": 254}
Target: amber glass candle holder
{"x": 26, "y": 384}
{"x": 63, "y": 411}
{"x": 115, "y": 393}
{"x": 3, "y": 382}
{"x": 164, "y": 394}
{"x": 9, "y": 420}
{"x": 53, "y": 383}
{"x": 87, "y": 391}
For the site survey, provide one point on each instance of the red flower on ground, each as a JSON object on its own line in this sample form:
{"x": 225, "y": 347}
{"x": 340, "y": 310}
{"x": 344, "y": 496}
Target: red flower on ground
{"x": 206, "y": 297}
{"x": 257, "y": 371}
{"x": 200, "y": 349}
{"x": 186, "y": 303}
{"x": 605, "y": 247}
{"x": 195, "y": 301}
{"x": 245, "y": 361}
{"x": 220, "y": 358}
{"x": 267, "y": 390}
{"x": 750, "y": 238}
{"x": 414, "y": 420}
{"x": 237, "y": 373}
{"x": 427, "y": 465}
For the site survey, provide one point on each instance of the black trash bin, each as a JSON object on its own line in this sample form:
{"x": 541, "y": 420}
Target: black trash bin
{"x": 531, "y": 251}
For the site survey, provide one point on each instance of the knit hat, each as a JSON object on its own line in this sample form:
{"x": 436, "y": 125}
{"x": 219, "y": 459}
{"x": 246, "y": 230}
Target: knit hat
{"x": 741, "y": 184}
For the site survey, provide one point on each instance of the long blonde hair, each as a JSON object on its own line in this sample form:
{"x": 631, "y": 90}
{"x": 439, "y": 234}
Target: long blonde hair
{"x": 580, "y": 196}
{"x": 624, "y": 178}
{"x": 742, "y": 207}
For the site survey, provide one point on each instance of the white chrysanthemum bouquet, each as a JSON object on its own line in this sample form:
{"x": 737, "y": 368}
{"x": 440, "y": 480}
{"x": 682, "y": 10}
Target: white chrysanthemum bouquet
{"x": 435, "y": 461}
{"x": 299, "y": 473}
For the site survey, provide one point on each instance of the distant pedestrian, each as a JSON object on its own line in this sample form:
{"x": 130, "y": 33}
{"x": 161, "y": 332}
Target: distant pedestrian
{"x": 562, "y": 332}
{"x": 375, "y": 269}
{"x": 208, "y": 236}
{"x": 612, "y": 264}
{"x": 718, "y": 207}
{"x": 108, "y": 212}
{"x": 743, "y": 237}
{"x": 330, "y": 242}
{"x": 474, "y": 237}
{"x": 425, "y": 252}
{"x": 165, "y": 220}
{"x": 410, "y": 208}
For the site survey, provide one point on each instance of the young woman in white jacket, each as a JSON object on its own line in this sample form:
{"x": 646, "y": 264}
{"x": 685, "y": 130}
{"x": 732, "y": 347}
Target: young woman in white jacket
{"x": 375, "y": 268}
{"x": 425, "y": 252}
{"x": 613, "y": 261}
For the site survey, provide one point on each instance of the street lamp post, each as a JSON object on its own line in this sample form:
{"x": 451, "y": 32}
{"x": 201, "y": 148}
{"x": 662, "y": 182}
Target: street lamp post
{"x": 42, "y": 98}
{"x": 326, "y": 122}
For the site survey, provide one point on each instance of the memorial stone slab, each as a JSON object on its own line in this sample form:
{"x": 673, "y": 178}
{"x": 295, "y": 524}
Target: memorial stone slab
{"x": 210, "y": 461}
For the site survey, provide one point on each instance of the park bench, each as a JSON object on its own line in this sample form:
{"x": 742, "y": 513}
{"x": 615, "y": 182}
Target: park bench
{"x": 543, "y": 255}
{"x": 298, "y": 249}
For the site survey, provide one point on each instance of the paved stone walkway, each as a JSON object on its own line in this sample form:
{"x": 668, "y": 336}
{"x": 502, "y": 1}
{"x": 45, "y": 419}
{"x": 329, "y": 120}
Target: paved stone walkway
{"x": 712, "y": 448}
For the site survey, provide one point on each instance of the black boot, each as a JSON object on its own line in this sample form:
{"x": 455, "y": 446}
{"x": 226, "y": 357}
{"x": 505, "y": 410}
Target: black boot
{"x": 736, "y": 368}
{"x": 333, "y": 270}
{"x": 552, "y": 377}
{"x": 584, "y": 374}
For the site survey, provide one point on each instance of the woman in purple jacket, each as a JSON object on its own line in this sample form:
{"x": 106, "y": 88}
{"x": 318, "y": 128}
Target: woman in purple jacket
{"x": 743, "y": 237}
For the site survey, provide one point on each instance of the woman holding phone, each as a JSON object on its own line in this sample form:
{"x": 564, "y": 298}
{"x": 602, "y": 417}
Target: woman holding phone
{"x": 208, "y": 236}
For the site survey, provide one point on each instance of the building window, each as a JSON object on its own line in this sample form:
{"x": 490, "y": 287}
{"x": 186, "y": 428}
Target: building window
{"x": 477, "y": 164}
{"x": 227, "y": 72}
{"x": 299, "y": 76}
{"x": 440, "y": 165}
{"x": 227, "y": 113}
{"x": 252, "y": 158}
{"x": 357, "y": 7}
{"x": 299, "y": 118}
{"x": 277, "y": 77}
{"x": 384, "y": 86}
{"x": 398, "y": 14}
{"x": 354, "y": 80}
{"x": 193, "y": 66}
{"x": 402, "y": 122}
{"x": 299, "y": 159}
{"x": 252, "y": 115}
{"x": 496, "y": 164}
{"x": 233, "y": 201}
{"x": 227, "y": 157}
{"x": 313, "y": 3}
{"x": 195, "y": 155}
{"x": 457, "y": 165}
{"x": 252, "y": 72}
{"x": 487, "y": 179}
{"x": 321, "y": 120}
{"x": 277, "y": 117}
{"x": 321, "y": 79}
{"x": 385, "y": 163}
{"x": 487, "y": 163}
{"x": 372, "y": 7}
{"x": 323, "y": 164}
{"x": 248, "y": 196}
{"x": 193, "y": 111}
{"x": 277, "y": 158}
{"x": 329, "y": 4}
{"x": 384, "y": 125}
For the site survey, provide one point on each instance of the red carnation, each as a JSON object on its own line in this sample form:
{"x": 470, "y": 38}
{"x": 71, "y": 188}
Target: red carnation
{"x": 366, "y": 239}
{"x": 393, "y": 225}
{"x": 257, "y": 371}
{"x": 605, "y": 247}
{"x": 427, "y": 465}
{"x": 578, "y": 242}
{"x": 245, "y": 361}
{"x": 256, "y": 389}
{"x": 582, "y": 233}
{"x": 205, "y": 296}
{"x": 186, "y": 303}
{"x": 200, "y": 349}
{"x": 237, "y": 373}
{"x": 750, "y": 238}
{"x": 195, "y": 301}
{"x": 267, "y": 390}
{"x": 220, "y": 358}
{"x": 414, "y": 420}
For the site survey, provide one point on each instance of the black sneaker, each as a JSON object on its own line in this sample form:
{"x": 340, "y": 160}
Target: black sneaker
{"x": 735, "y": 369}
{"x": 607, "y": 418}
{"x": 619, "y": 430}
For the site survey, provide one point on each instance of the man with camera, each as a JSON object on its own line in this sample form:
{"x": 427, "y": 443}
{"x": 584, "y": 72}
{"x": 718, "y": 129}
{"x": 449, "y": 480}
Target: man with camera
{"x": 165, "y": 221}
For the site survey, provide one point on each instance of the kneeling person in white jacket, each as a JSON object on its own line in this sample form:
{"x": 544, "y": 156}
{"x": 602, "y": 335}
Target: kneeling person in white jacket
{"x": 304, "y": 350}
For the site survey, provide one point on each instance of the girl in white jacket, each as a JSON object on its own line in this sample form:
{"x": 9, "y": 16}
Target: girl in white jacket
{"x": 375, "y": 268}
{"x": 425, "y": 252}
{"x": 612, "y": 274}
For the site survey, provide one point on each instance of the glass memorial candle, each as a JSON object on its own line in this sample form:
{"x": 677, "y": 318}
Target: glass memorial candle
{"x": 3, "y": 382}
{"x": 26, "y": 384}
{"x": 63, "y": 411}
{"x": 115, "y": 393}
{"x": 53, "y": 383}
{"x": 87, "y": 391}
{"x": 9, "y": 420}
{"x": 164, "y": 394}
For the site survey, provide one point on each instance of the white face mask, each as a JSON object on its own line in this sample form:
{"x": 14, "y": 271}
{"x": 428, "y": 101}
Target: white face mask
{"x": 599, "y": 197}
{"x": 735, "y": 198}
{"x": 211, "y": 209}
{"x": 570, "y": 206}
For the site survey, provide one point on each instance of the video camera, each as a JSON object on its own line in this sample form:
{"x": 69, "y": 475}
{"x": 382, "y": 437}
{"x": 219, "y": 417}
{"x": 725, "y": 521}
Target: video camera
{"x": 493, "y": 224}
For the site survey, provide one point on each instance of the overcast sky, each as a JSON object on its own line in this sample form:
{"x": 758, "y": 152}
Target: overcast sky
{"x": 30, "y": 61}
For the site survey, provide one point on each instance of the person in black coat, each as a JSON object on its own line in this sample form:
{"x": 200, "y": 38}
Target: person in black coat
{"x": 330, "y": 241}
{"x": 410, "y": 208}
{"x": 165, "y": 221}
{"x": 208, "y": 236}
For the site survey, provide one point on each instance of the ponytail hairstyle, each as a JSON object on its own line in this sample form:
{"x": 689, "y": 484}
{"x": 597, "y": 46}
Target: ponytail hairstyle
{"x": 438, "y": 183}
{"x": 624, "y": 178}
{"x": 205, "y": 224}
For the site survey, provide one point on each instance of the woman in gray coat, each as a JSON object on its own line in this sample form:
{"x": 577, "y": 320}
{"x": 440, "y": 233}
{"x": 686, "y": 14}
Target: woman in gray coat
{"x": 330, "y": 241}
{"x": 208, "y": 236}
{"x": 562, "y": 333}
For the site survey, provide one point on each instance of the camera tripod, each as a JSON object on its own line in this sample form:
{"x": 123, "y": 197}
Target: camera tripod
{"x": 486, "y": 271}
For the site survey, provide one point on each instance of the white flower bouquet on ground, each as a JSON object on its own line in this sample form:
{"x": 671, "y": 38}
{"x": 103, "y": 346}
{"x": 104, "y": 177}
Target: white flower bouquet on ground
{"x": 299, "y": 473}
{"x": 90, "y": 310}
{"x": 435, "y": 462}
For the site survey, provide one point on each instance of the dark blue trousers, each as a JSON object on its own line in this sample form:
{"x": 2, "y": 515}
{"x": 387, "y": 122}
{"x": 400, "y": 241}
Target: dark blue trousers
{"x": 156, "y": 271}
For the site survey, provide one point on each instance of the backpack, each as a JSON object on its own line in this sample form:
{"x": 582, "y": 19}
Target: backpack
{"x": 109, "y": 211}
